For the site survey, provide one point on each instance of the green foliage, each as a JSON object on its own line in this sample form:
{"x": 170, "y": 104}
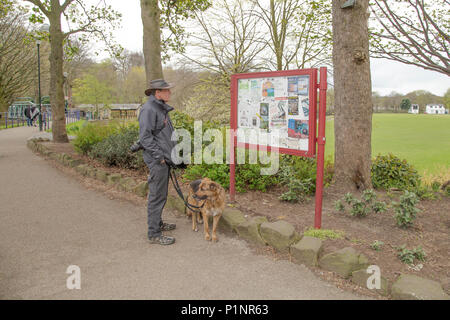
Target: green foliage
{"x": 324, "y": 233}
{"x": 90, "y": 90}
{"x": 361, "y": 208}
{"x": 409, "y": 256}
{"x": 391, "y": 172}
{"x": 248, "y": 176}
{"x": 91, "y": 134}
{"x": 73, "y": 128}
{"x": 405, "y": 104}
{"x": 172, "y": 15}
{"x": 377, "y": 245}
{"x": 299, "y": 175}
{"x": 379, "y": 207}
{"x": 114, "y": 150}
{"x": 405, "y": 209}
{"x": 339, "y": 206}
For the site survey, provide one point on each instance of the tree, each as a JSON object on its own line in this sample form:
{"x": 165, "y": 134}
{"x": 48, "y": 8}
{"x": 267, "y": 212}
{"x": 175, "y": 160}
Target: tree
{"x": 447, "y": 99}
{"x": 17, "y": 58}
{"x": 353, "y": 95}
{"x": 95, "y": 20}
{"x": 90, "y": 90}
{"x": 405, "y": 104}
{"x": 415, "y": 32}
{"x": 168, "y": 16}
{"x": 152, "y": 39}
{"x": 300, "y": 33}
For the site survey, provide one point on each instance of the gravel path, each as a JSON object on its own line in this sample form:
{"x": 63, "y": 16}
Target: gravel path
{"x": 49, "y": 221}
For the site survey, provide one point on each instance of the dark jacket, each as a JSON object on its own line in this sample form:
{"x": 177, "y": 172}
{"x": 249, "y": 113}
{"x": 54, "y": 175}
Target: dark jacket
{"x": 28, "y": 112}
{"x": 155, "y": 130}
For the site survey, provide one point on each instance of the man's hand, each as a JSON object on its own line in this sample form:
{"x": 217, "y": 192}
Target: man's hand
{"x": 162, "y": 161}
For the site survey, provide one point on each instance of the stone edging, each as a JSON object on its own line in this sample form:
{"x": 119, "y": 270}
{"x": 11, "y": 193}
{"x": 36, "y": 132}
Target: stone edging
{"x": 281, "y": 235}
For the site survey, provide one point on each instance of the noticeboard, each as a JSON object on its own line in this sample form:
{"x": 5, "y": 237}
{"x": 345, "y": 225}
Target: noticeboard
{"x": 280, "y": 105}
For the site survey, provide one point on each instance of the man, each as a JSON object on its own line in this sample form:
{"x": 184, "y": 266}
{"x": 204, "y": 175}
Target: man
{"x": 28, "y": 116}
{"x": 155, "y": 133}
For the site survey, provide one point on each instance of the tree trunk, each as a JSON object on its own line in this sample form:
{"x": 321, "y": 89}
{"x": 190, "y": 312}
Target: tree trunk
{"x": 57, "y": 78}
{"x": 353, "y": 99}
{"x": 152, "y": 39}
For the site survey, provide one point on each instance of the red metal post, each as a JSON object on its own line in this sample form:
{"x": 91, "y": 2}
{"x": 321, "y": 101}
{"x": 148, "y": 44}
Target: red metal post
{"x": 321, "y": 146}
{"x": 233, "y": 128}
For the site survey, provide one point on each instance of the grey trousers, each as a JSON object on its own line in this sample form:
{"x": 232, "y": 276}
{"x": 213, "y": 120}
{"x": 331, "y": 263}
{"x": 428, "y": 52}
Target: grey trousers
{"x": 158, "y": 184}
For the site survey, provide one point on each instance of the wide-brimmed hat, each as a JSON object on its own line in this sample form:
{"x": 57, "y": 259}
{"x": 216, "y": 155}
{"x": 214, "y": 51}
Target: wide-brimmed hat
{"x": 158, "y": 84}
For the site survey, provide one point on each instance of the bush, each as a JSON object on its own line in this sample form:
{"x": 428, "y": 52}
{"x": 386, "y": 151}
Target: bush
{"x": 361, "y": 208}
{"x": 91, "y": 134}
{"x": 409, "y": 256}
{"x": 115, "y": 149}
{"x": 299, "y": 175}
{"x": 391, "y": 172}
{"x": 405, "y": 210}
{"x": 248, "y": 176}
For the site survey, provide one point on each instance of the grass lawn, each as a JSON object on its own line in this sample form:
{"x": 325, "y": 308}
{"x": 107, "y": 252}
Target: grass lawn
{"x": 423, "y": 140}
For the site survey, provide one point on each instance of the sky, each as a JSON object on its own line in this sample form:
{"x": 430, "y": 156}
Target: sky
{"x": 387, "y": 76}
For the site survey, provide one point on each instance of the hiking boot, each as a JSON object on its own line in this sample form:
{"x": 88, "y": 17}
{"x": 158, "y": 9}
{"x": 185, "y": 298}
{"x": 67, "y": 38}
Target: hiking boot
{"x": 163, "y": 240}
{"x": 168, "y": 226}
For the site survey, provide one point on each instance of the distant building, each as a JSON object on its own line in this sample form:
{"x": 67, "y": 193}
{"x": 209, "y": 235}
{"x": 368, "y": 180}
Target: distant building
{"x": 124, "y": 111}
{"x": 414, "y": 109}
{"x": 434, "y": 109}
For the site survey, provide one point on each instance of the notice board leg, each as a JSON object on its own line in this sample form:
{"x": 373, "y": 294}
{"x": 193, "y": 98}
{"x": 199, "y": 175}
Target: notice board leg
{"x": 321, "y": 147}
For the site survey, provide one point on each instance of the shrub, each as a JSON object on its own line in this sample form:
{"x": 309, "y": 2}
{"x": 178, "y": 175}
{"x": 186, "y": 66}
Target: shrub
{"x": 391, "y": 172}
{"x": 299, "y": 175}
{"x": 248, "y": 176}
{"x": 361, "y": 208}
{"x": 405, "y": 209}
{"x": 91, "y": 134}
{"x": 409, "y": 256}
{"x": 114, "y": 150}
{"x": 379, "y": 207}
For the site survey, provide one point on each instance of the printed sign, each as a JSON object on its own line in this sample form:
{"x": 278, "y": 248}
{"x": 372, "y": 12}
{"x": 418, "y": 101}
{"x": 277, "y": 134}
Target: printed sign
{"x": 278, "y": 106}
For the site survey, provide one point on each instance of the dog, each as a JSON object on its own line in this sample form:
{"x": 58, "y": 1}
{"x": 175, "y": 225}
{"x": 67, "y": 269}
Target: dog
{"x": 209, "y": 197}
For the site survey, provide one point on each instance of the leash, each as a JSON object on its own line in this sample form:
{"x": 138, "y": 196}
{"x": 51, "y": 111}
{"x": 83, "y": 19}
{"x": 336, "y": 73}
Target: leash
{"x": 174, "y": 180}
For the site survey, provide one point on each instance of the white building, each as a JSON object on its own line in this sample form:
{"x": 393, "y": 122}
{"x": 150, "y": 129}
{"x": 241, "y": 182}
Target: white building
{"x": 414, "y": 109}
{"x": 434, "y": 109}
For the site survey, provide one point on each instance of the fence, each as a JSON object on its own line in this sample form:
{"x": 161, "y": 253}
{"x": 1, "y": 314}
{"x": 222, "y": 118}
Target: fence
{"x": 9, "y": 122}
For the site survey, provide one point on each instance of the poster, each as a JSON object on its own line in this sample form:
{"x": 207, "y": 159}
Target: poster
{"x": 277, "y": 106}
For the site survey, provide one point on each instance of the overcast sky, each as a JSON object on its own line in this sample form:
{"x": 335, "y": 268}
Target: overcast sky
{"x": 387, "y": 76}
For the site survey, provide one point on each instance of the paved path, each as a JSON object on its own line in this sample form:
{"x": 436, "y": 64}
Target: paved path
{"x": 49, "y": 221}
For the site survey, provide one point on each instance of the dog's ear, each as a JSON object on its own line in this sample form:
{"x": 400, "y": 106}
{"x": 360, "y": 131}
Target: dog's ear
{"x": 195, "y": 184}
{"x": 213, "y": 186}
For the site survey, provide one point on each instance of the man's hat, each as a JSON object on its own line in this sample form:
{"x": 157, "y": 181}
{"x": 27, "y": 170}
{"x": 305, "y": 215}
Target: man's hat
{"x": 158, "y": 84}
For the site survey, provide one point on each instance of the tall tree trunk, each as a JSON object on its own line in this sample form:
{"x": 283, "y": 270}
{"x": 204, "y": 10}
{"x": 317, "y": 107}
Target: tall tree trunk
{"x": 152, "y": 39}
{"x": 353, "y": 90}
{"x": 57, "y": 76}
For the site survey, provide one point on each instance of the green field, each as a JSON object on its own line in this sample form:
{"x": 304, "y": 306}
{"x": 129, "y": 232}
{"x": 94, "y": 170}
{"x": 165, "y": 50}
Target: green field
{"x": 423, "y": 140}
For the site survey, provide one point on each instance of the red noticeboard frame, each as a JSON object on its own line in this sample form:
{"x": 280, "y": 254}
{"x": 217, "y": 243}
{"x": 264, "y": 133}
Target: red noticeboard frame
{"x": 313, "y": 139}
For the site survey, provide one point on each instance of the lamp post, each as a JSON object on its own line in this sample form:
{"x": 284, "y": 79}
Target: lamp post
{"x": 44, "y": 28}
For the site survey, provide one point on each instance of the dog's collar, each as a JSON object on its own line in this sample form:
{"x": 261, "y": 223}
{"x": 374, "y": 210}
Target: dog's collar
{"x": 200, "y": 198}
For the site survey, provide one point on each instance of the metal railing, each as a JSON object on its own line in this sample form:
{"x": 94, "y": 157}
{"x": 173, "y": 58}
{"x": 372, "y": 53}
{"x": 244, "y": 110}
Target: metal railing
{"x": 7, "y": 122}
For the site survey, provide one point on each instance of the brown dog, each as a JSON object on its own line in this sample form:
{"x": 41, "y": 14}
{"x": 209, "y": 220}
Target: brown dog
{"x": 210, "y": 197}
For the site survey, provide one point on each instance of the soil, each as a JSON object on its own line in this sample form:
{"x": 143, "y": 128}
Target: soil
{"x": 430, "y": 229}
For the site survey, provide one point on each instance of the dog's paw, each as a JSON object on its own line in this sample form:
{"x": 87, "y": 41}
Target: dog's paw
{"x": 207, "y": 237}
{"x": 195, "y": 230}
{"x": 215, "y": 239}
